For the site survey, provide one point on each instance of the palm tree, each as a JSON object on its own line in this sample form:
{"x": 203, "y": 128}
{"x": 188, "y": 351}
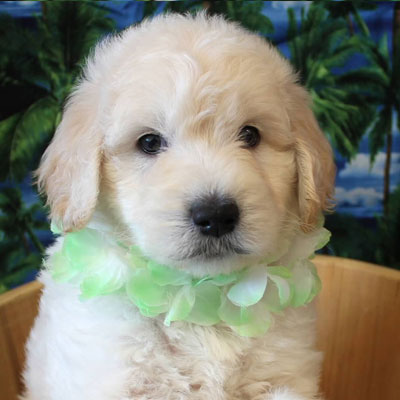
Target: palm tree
{"x": 45, "y": 62}
{"x": 20, "y": 248}
{"x": 381, "y": 85}
{"x": 247, "y": 13}
{"x": 349, "y": 10}
{"x": 319, "y": 46}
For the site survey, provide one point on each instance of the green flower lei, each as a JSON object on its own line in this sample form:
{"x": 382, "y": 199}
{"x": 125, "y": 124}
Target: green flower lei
{"x": 244, "y": 300}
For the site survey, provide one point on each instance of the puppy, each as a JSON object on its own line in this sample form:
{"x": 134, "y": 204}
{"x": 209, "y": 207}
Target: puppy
{"x": 189, "y": 138}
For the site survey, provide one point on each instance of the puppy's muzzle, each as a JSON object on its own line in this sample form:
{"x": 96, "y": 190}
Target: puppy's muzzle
{"x": 215, "y": 216}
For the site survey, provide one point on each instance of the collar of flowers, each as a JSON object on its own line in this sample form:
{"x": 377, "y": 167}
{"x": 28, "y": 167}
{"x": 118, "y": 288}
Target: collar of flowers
{"x": 245, "y": 300}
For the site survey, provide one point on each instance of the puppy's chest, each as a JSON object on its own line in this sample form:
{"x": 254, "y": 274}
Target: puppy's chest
{"x": 185, "y": 359}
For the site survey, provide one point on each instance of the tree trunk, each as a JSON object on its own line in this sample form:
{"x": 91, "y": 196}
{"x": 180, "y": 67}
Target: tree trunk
{"x": 396, "y": 34}
{"x": 386, "y": 184}
{"x": 36, "y": 242}
{"x": 350, "y": 24}
{"x": 44, "y": 9}
{"x": 209, "y": 7}
{"x": 389, "y": 138}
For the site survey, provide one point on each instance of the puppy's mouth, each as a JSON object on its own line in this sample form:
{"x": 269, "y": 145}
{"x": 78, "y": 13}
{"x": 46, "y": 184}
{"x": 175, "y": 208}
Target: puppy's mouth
{"x": 211, "y": 250}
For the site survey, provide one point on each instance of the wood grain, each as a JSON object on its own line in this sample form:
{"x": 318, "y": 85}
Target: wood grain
{"x": 358, "y": 330}
{"x": 18, "y": 308}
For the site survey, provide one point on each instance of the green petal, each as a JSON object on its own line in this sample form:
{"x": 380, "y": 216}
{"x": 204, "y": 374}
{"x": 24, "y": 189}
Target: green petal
{"x": 323, "y": 239}
{"x": 83, "y": 248}
{"x": 233, "y": 315}
{"x": 163, "y": 275}
{"x": 302, "y": 280}
{"x": 60, "y": 268}
{"x": 135, "y": 250}
{"x": 250, "y": 288}
{"x": 283, "y": 289}
{"x": 259, "y": 322}
{"x": 222, "y": 280}
{"x": 283, "y": 272}
{"x": 305, "y": 244}
{"x": 137, "y": 260}
{"x": 55, "y": 228}
{"x": 142, "y": 291}
{"x": 81, "y": 251}
{"x": 100, "y": 283}
{"x": 206, "y": 305}
{"x": 181, "y": 305}
{"x": 317, "y": 285}
{"x": 271, "y": 299}
{"x": 152, "y": 311}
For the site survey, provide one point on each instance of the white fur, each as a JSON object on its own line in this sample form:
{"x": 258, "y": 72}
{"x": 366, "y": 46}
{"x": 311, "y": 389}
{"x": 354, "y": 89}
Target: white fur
{"x": 197, "y": 81}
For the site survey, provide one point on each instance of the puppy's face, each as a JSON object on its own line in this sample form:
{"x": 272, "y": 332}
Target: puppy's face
{"x": 201, "y": 144}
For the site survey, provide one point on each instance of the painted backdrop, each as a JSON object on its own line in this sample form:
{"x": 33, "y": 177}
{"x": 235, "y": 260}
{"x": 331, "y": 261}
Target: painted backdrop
{"x": 347, "y": 55}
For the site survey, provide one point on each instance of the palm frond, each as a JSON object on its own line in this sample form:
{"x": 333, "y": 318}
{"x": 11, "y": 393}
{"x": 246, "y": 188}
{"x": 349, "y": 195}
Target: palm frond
{"x": 365, "y": 78}
{"x": 379, "y": 131}
{"x": 247, "y": 13}
{"x": 7, "y": 128}
{"x": 360, "y": 22}
{"x": 32, "y": 133}
{"x": 318, "y": 46}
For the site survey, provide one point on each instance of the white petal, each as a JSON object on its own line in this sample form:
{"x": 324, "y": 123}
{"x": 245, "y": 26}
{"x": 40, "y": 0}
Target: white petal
{"x": 251, "y": 287}
{"x": 283, "y": 288}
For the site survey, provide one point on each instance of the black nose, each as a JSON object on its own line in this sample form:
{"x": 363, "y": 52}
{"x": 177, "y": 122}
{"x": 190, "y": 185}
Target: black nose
{"x": 215, "y": 217}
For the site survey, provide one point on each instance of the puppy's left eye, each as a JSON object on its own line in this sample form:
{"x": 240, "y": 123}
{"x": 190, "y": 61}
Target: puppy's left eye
{"x": 250, "y": 136}
{"x": 151, "y": 143}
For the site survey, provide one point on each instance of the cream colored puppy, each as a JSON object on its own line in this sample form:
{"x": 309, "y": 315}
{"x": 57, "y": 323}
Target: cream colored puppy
{"x": 189, "y": 137}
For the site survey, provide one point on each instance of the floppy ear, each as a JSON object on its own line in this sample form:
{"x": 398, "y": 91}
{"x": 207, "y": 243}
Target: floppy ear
{"x": 315, "y": 167}
{"x": 69, "y": 169}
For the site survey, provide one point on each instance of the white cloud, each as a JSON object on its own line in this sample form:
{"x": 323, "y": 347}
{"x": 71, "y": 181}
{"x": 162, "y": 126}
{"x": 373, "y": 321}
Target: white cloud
{"x": 288, "y": 4}
{"x": 361, "y": 167}
{"x": 25, "y": 3}
{"x": 359, "y": 197}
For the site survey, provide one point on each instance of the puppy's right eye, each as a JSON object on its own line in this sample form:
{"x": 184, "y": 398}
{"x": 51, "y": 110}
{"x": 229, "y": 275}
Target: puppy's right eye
{"x": 250, "y": 136}
{"x": 151, "y": 143}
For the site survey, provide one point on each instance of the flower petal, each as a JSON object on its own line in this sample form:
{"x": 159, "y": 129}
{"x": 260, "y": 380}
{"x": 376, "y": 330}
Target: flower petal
{"x": 95, "y": 285}
{"x": 56, "y": 228}
{"x": 271, "y": 299}
{"x": 323, "y": 239}
{"x": 232, "y": 314}
{"x": 142, "y": 290}
{"x": 206, "y": 305}
{"x": 305, "y": 244}
{"x": 83, "y": 249}
{"x": 317, "y": 285}
{"x": 302, "y": 280}
{"x": 163, "y": 275}
{"x": 109, "y": 275}
{"x": 259, "y": 321}
{"x": 222, "y": 279}
{"x": 283, "y": 289}
{"x": 181, "y": 305}
{"x": 136, "y": 258}
{"x": 152, "y": 311}
{"x": 60, "y": 268}
{"x": 250, "y": 288}
{"x": 283, "y": 272}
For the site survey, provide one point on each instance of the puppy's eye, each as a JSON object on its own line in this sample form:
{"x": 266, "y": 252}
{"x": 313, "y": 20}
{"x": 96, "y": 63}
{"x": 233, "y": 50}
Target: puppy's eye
{"x": 250, "y": 136}
{"x": 151, "y": 143}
